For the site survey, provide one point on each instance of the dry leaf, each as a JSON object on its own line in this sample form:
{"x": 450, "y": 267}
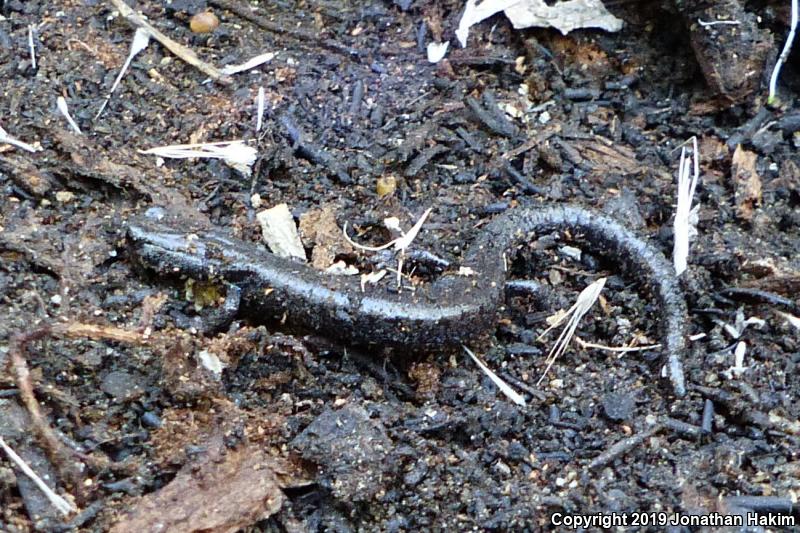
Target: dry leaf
{"x": 225, "y": 491}
{"x": 564, "y": 16}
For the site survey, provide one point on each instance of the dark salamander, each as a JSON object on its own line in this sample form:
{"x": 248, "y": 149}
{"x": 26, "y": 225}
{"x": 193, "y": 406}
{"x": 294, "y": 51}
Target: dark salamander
{"x": 449, "y": 311}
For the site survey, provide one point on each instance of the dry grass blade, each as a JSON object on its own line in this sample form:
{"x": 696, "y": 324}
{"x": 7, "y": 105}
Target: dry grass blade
{"x": 685, "y": 216}
{"x": 62, "y": 107}
{"x": 62, "y": 506}
{"x": 141, "y": 38}
{"x": 502, "y": 385}
{"x": 585, "y": 300}
{"x": 237, "y": 154}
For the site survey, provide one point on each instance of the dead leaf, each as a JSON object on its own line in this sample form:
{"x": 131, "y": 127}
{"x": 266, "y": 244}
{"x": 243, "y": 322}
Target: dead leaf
{"x": 318, "y": 226}
{"x": 564, "y": 16}
{"x": 224, "y": 491}
{"x": 746, "y": 182}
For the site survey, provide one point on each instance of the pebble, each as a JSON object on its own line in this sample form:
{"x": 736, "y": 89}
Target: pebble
{"x": 121, "y": 386}
{"x": 204, "y": 22}
{"x": 618, "y": 406}
{"x": 64, "y": 196}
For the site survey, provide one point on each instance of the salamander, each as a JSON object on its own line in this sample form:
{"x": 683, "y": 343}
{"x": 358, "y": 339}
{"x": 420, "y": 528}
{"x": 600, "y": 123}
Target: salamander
{"x": 450, "y": 310}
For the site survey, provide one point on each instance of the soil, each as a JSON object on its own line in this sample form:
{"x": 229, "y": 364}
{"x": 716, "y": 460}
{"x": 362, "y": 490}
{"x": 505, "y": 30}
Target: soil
{"x": 355, "y": 440}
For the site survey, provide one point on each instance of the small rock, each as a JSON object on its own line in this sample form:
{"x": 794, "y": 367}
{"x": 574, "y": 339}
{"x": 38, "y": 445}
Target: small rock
{"x": 619, "y": 406}
{"x": 64, "y": 197}
{"x": 204, "y": 22}
{"x": 121, "y": 386}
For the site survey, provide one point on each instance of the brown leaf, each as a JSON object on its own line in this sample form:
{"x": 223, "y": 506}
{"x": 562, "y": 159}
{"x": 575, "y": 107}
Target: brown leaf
{"x": 746, "y": 182}
{"x": 319, "y": 227}
{"x": 226, "y": 490}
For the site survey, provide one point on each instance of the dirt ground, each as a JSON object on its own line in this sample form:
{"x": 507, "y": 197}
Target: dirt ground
{"x": 300, "y": 433}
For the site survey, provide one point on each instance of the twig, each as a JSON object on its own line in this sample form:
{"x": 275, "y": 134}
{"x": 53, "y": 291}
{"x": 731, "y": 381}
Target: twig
{"x": 302, "y": 36}
{"x": 787, "y": 47}
{"x": 176, "y": 48}
{"x": 61, "y": 505}
{"x": 624, "y": 446}
{"x": 621, "y": 349}
{"x": 706, "y": 24}
{"x": 65, "y": 460}
{"x": 43, "y": 430}
{"x": 259, "y": 109}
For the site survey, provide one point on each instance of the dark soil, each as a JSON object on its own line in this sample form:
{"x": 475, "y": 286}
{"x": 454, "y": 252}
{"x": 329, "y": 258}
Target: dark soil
{"x": 369, "y": 440}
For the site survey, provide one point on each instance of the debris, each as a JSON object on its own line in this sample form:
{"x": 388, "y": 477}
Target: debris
{"x": 707, "y": 24}
{"x": 512, "y": 395}
{"x": 8, "y": 139}
{"x": 62, "y": 106}
{"x": 400, "y": 244}
{"x": 141, "y": 38}
{"x": 372, "y": 277}
{"x": 385, "y": 186}
{"x": 791, "y": 319}
{"x": 62, "y": 505}
{"x": 732, "y": 57}
{"x": 211, "y": 362}
{"x": 340, "y": 268}
{"x": 236, "y": 154}
{"x": 787, "y": 47}
{"x": 746, "y": 182}
{"x": 225, "y": 490}
{"x": 685, "y": 224}
{"x": 585, "y": 300}
{"x": 738, "y": 367}
{"x": 259, "y": 109}
{"x": 64, "y": 197}
{"x": 122, "y": 386}
{"x": 624, "y": 446}
{"x": 319, "y": 227}
{"x": 31, "y": 46}
{"x": 176, "y": 48}
{"x": 564, "y": 16}
{"x": 437, "y": 51}
{"x": 280, "y": 233}
{"x": 252, "y": 63}
{"x": 203, "y": 22}
{"x": 352, "y": 452}
{"x": 619, "y": 406}
{"x": 707, "y": 420}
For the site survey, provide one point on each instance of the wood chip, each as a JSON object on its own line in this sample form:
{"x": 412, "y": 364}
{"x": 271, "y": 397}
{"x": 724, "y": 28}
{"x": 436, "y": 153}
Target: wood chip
{"x": 746, "y": 182}
{"x": 280, "y": 233}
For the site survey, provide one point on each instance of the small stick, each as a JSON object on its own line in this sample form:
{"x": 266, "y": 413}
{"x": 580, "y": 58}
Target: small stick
{"x": 763, "y": 504}
{"x": 708, "y": 417}
{"x": 623, "y": 446}
{"x": 64, "y": 458}
{"x": 61, "y": 505}
{"x": 176, "y": 48}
